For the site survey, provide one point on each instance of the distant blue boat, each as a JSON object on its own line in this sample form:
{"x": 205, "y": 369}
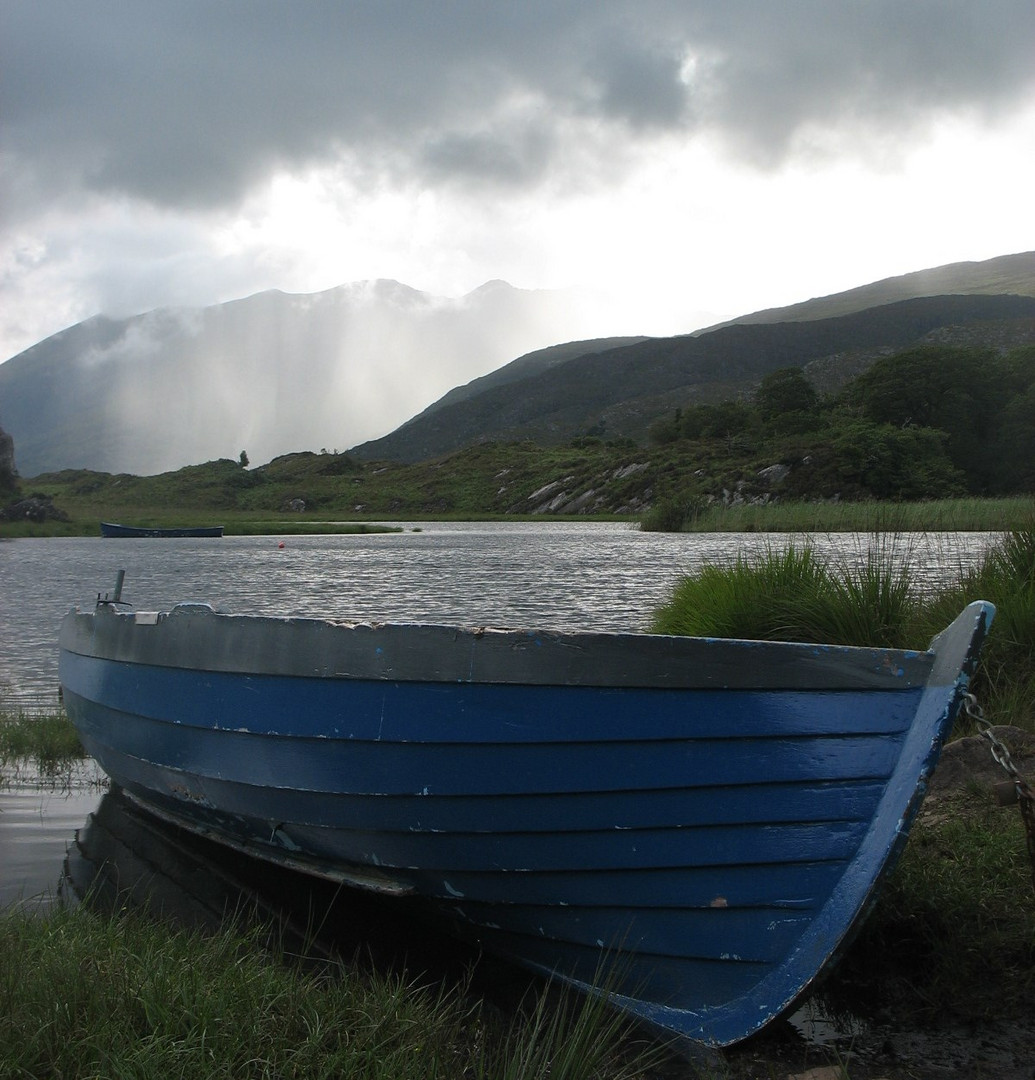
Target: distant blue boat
{"x": 699, "y": 823}
{"x": 110, "y": 529}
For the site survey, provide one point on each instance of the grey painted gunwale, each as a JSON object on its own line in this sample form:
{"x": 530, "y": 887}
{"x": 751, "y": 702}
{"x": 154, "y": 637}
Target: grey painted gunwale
{"x": 194, "y": 636}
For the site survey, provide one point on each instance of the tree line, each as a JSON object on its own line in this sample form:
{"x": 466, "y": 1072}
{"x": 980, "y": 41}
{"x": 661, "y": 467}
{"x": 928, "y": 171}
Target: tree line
{"x": 931, "y": 422}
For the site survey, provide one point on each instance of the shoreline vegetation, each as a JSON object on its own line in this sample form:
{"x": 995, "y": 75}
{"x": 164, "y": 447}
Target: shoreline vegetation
{"x": 848, "y": 473}
{"x": 951, "y": 939}
{"x": 935, "y": 515}
{"x": 235, "y": 524}
{"x": 125, "y": 995}
{"x": 788, "y": 593}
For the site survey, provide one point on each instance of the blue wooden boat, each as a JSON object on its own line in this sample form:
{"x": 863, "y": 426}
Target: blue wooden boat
{"x": 699, "y": 824}
{"x": 111, "y": 529}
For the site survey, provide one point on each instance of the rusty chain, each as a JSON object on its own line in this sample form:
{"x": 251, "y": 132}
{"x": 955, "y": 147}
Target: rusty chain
{"x": 1001, "y": 753}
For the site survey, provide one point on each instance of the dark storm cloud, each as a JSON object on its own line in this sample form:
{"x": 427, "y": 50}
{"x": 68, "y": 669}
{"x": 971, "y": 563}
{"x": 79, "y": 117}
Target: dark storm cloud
{"x": 856, "y": 66}
{"x": 187, "y": 104}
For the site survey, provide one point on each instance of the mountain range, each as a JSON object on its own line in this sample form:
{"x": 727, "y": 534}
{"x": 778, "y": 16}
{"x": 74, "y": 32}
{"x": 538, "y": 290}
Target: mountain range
{"x": 276, "y": 373}
{"x": 269, "y": 374}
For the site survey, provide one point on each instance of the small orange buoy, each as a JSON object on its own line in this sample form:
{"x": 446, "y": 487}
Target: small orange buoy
{"x": 281, "y": 544}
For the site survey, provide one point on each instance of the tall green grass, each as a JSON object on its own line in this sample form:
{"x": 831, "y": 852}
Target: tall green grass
{"x": 789, "y": 594}
{"x": 83, "y": 995}
{"x": 1006, "y": 673}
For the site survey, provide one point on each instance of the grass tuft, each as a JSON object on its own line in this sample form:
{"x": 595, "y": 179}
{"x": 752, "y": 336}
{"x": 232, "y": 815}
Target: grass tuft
{"x": 755, "y": 599}
{"x": 791, "y": 595}
{"x": 49, "y": 741}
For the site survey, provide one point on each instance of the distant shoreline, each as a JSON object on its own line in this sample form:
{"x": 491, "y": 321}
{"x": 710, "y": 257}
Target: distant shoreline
{"x": 942, "y": 515}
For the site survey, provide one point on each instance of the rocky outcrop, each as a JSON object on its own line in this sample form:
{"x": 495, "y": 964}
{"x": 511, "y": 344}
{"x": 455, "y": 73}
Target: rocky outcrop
{"x": 36, "y": 508}
{"x": 970, "y": 760}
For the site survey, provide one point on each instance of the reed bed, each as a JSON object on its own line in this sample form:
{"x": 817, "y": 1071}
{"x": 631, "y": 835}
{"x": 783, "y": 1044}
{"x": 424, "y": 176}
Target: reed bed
{"x": 940, "y": 515}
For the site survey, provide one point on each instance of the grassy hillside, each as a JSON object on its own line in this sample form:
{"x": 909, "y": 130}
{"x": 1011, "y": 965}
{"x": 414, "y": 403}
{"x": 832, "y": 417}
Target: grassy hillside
{"x": 1012, "y": 275}
{"x": 619, "y": 392}
{"x": 302, "y": 488}
{"x": 934, "y": 423}
{"x": 514, "y": 480}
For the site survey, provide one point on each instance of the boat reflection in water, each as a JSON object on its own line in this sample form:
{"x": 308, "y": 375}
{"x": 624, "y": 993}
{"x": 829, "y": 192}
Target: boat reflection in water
{"x": 124, "y": 858}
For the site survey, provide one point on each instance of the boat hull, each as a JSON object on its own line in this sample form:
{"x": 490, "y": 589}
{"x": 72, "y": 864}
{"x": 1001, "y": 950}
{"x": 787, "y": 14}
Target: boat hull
{"x": 113, "y": 531}
{"x": 697, "y": 824}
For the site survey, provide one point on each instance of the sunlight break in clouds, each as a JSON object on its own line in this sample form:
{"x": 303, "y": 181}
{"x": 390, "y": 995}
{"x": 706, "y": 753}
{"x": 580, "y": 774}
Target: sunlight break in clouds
{"x": 685, "y": 160}
{"x": 687, "y": 240}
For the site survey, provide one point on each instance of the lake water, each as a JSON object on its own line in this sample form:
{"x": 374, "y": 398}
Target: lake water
{"x": 603, "y": 576}
{"x": 577, "y": 575}
{"x": 38, "y": 821}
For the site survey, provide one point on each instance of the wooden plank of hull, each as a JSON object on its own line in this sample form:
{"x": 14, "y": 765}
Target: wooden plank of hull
{"x": 195, "y": 638}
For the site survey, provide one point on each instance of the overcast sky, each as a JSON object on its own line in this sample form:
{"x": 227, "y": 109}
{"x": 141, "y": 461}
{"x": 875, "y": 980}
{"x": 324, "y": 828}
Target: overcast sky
{"x": 687, "y": 161}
